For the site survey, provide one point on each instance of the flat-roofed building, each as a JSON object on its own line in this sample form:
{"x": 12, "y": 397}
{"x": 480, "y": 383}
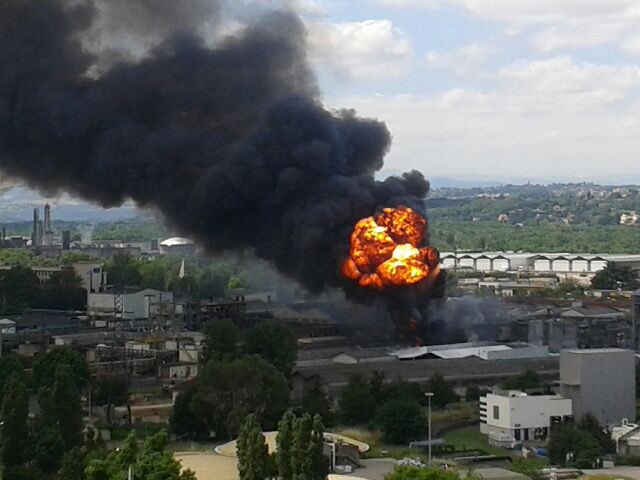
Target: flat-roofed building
{"x": 600, "y": 381}
{"x": 510, "y": 418}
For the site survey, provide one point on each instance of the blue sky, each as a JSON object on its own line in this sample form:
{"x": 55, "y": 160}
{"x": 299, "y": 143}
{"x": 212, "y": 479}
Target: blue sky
{"x": 488, "y": 88}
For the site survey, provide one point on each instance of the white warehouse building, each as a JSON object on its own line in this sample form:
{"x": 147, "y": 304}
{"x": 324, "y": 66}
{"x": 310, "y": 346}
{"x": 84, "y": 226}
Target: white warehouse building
{"x": 510, "y": 418}
{"x": 535, "y": 262}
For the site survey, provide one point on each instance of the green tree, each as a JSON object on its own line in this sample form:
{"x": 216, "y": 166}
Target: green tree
{"x": 228, "y": 391}
{"x": 49, "y": 449}
{"x": 19, "y": 288}
{"x": 14, "y": 413}
{"x": 568, "y": 438}
{"x": 376, "y": 385}
{"x": 473, "y": 393}
{"x": 284, "y": 440}
{"x": 275, "y": 343}
{"x": 590, "y": 423}
{"x": 213, "y": 281}
{"x": 183, "y": 421}
{"x": 236, "y": 282}
{"x": 222, "y": 338}
{"x": 356, "y": 402}
{"x": 157, "y": 462}
{"x": 318, "y": 467}
{"x": 587, "y": 450}
{"x": 69, "y": 258}
{"x": 158, "y": 273}
{"x": 443, "y": 393}
{"x": 527, "y": 380}
{"x": 401, "y": 421}
{"x": 122, "y": 271}
{"x": 253, "y": 453}
{"x": 73, "y": 465}
{"x": 152, "y": 461}
{"x": 416, "y": 473}
{"x": 112, "y": 389}
{"x": 9, "y": 364}
{"x": 46, "y": 366}
{"x": 66, "y": 407}
{"x": 63, "y": 291}
{"x": 402, "y": 390}
{"x": 316, "y": 402}
{"x": 300, "y": 462}
{"x": 615, "y": 276}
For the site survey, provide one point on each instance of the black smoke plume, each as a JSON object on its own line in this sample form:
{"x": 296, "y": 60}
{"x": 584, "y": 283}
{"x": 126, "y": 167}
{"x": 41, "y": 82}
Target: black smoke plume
{"x": 228, "y": 138}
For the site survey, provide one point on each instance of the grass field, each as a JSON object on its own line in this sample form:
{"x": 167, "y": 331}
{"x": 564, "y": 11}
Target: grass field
{"x": 470, "y": 438}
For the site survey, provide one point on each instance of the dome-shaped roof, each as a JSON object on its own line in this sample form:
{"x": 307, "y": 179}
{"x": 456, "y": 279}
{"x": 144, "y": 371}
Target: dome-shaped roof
{"x": 176, "y": 241}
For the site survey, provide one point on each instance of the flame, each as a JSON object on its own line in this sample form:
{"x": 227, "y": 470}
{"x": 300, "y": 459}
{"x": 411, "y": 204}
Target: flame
{"x": 385, "y": 250}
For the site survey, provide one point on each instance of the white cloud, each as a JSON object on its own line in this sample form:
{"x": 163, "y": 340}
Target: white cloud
{"x": 556, "y": 24}
{"x": 632, "y": 46}
{"x": 360, "y": 50}
{"x": 561, "y": 75}
{"x": 552, "y": 117}
{"x": 461, "y": 61}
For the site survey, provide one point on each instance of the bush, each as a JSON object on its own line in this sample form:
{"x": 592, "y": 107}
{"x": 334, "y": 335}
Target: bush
{"x": 628, "y": 460}
{"x": 443, "y": 393}
{"x": 357, "y": 403}
{"x": 417, "y": 473}
{"x": 401, "y": 421}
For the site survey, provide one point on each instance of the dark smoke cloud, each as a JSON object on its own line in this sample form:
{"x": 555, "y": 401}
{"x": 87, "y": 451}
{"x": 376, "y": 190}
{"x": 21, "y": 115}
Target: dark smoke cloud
{"x": 231, "y": 142}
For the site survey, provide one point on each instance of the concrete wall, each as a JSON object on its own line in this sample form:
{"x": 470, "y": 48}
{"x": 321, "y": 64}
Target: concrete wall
{"x": 600, "y": 381}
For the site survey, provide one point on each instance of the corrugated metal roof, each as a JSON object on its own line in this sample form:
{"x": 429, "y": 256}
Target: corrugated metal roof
{"x": 469, "y": 352}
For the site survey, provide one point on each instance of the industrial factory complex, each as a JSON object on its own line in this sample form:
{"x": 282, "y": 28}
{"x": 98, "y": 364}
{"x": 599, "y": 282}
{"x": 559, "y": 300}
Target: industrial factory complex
{"x": 496, "y": 327}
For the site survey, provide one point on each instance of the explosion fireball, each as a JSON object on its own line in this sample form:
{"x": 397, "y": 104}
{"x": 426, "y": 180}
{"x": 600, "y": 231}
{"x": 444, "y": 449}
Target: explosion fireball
{"x": 385, "y": 250}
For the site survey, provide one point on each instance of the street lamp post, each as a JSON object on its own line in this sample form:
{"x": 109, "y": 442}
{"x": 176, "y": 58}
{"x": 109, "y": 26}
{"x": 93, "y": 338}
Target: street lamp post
{"x": 429, "y": 395}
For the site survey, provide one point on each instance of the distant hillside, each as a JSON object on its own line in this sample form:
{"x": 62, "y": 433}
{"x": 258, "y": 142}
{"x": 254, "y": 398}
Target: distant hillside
{"x": 17, "y": 204}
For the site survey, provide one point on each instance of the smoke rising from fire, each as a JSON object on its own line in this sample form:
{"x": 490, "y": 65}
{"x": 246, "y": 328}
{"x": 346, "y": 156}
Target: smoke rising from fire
{"x": 228, "y": 140}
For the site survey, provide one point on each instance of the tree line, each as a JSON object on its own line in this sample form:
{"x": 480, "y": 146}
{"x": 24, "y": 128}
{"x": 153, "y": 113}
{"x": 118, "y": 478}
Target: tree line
{"x": 55, "y": 443}
{"x": 20, "y": 288}
{"x": 299, "y": 451}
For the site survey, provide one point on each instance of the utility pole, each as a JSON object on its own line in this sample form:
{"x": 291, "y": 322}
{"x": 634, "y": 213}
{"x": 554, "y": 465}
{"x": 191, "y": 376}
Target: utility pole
{"x": 429, "y": 395}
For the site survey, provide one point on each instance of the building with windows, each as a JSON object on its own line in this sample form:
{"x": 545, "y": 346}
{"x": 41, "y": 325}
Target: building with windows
{"x": 127, "y": 303}
{"x": 600, "y": 381}
{"x": 511, "y": 418}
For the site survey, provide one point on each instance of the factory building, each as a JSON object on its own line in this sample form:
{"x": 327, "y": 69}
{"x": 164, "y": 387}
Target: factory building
{"x": 557, "y": 263}
{"x": 481, "y": 350}
{"x": 127, "y": 303}
{"x": 600, "y": 381}
{"x": 511, "y": 418}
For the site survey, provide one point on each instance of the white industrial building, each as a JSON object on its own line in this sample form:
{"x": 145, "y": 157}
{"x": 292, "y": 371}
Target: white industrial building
{"x": 129, "y": 304}
{"x": 510, "y": 418}
{"x": 482, "y": 350}
{"x": 535, "y": 262}
{"x": 627, "y": 438}
{"x": 7, "y": 326}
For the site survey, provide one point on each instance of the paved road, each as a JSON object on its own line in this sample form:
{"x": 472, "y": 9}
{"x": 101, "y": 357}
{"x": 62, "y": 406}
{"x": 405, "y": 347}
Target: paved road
{"x": 627, "y": 472}
{"x": 375, "y": 469}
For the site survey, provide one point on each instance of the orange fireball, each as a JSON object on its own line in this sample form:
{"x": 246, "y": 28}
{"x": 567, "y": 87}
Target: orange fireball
{"x": 385, "y": 250}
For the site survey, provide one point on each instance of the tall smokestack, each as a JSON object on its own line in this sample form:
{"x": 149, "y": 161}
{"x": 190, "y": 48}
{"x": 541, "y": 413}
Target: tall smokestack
{"x": 228, "y": 139}
{"x": 47, "y": 218}
{"x": 48, "y": 233}
{"x": 35, "y": 234}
